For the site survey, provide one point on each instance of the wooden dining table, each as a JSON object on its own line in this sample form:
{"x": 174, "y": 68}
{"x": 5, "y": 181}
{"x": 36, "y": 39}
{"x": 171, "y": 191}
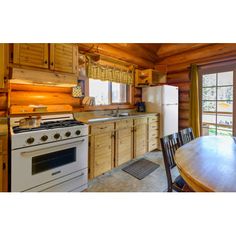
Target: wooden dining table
{"x": 208, "y": 164}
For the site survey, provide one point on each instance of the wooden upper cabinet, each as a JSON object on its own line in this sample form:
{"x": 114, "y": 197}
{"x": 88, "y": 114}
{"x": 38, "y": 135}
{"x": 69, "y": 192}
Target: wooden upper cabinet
{"x": 64, "y": 57}
{"x": 3, "y": 63}
{"x": 31, "y": 54}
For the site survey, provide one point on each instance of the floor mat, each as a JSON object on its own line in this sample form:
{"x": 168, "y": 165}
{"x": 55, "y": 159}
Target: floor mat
{"x": 141, "y": 168}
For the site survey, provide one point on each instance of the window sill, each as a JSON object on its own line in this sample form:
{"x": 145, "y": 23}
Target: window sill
{"x": 108, "y": 107}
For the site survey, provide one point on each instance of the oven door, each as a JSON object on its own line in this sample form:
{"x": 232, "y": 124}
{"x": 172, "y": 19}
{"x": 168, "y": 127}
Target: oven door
{"x": 33, "y": 166}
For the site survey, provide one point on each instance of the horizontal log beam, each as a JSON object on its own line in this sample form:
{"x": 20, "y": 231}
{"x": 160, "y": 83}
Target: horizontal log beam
{"x": 183, "y": 123}
{"x": 38, "y": 88}
{"x": 183, "y": 86}
{"x": 136, "y": 50}
{"x": 22, "y": 98}
{"x": 177, "y": 68}
{"x": 110, "y": 51}
{"x": 197, "y": 54}
{"x": 171, "y": 49}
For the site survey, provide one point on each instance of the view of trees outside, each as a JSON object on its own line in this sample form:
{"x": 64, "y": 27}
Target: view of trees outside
{"x": 217, "y": 103}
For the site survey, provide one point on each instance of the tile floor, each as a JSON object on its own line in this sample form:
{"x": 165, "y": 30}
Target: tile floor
{"x": 119, "y": 181}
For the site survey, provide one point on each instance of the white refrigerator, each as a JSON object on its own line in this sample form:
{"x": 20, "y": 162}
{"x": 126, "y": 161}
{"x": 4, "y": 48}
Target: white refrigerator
{"x": 164, "y": 100}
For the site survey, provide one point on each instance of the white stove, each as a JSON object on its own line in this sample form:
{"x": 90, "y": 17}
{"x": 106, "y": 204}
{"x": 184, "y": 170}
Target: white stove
{"x": 52, "y": 157}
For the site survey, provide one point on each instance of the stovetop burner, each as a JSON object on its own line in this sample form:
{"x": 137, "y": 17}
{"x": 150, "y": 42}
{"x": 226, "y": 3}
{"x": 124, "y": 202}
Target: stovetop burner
{"x": 48, "y": 125}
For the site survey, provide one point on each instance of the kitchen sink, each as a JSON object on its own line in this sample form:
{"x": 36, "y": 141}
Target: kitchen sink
{"x": 120, "y": 115}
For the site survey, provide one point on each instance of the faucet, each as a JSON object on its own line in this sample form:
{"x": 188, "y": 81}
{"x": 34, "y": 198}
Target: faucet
{"x": 117, "y": 111}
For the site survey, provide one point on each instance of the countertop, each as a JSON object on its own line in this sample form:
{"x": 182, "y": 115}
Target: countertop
{"x": 93, "y": 118}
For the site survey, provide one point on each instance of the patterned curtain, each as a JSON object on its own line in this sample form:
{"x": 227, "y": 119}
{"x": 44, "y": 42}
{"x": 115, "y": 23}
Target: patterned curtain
{"x": 108, "y": 73}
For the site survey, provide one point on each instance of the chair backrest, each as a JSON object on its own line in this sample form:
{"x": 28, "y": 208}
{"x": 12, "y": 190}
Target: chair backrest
{"x": 186, "y": 135}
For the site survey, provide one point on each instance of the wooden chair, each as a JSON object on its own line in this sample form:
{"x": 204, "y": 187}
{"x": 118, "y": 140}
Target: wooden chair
{"x": 186, "y": 135}
{"x": 169, "y": 145}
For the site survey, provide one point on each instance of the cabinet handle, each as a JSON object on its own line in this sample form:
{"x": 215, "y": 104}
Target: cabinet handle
{"x": 51, "y": 63}
{"x": 46, "y": 62}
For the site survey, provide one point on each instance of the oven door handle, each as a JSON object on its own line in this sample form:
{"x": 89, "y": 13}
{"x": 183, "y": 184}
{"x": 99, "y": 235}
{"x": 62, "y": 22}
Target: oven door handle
{"x": 38, "y": 151}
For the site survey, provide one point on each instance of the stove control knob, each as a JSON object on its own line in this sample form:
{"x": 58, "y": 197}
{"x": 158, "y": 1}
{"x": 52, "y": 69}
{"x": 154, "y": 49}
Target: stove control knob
{"x": 30, "y": 140}
{"x": 68, "y": 134}
{"x": 56, "y": 136}
{"x": 77, "y": 132}
{"x": 44, "y": 138}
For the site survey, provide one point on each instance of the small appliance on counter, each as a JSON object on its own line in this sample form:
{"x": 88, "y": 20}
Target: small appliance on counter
{"x": 141, "y": 107}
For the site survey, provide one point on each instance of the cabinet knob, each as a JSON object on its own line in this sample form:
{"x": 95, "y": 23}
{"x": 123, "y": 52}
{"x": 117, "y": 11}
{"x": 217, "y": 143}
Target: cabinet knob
{"x": 46, "y": 62}
{"x": 51, "y": 63}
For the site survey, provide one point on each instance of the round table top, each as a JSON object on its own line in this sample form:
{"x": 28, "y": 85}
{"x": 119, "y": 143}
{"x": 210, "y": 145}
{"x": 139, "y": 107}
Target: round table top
{"x": 208, "y": 163}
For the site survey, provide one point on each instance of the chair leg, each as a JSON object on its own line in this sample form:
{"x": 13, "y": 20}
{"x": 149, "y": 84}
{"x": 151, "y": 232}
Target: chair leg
{"x": 169, "y": 189}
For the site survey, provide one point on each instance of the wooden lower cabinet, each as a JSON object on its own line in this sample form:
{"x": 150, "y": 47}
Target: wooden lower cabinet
{"x": 153, "y": 133}
{"x": 124, "y": 141}
{"x": 140, "y": 136}
{"x": 101, "y": 150}
{"x": 115, "y": 143}
{"x": 3, "y": 164}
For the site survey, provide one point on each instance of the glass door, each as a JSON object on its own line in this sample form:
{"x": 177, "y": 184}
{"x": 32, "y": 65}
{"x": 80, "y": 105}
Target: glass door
{"x": 217, "y": 103}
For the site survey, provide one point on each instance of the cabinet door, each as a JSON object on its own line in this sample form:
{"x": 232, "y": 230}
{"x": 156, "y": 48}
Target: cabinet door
{"x": 31, "y": 54}
{"x": 140, "y": 137}
{"x": 124, "y": 145}
{"x": 3, "y": 161}
{"x": 101, "y": 153}
{"x": 3, "y": 63}
{"x": 64, "y": 57}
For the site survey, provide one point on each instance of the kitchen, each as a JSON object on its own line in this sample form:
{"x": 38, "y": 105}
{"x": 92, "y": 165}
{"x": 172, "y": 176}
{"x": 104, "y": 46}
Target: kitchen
{"x": 73, "y": 116}
{"x": 117, "y": 118}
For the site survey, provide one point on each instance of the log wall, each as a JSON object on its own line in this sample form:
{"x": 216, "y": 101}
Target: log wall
{"x": 182, "y": 81}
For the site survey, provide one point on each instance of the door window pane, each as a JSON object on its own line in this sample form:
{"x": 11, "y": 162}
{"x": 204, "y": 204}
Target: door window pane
{"x": 224, "y": 119}
{"x": 209, "y": 118}
{"x": 224, "y": 131}
{"x": 119, "y": 93}
{"x": 209, "y": 93}
{"x": 225, "y": 78}
{"x": 225, "y": 93}
{"x": 209, "y": 106}
{"x": 217, "y": 89}
{"x": 209, "y": 80}
{"x": 225, "y": 106}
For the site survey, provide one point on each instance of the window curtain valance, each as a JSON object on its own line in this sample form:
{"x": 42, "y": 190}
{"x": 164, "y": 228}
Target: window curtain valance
{"x": 101, "y": 71}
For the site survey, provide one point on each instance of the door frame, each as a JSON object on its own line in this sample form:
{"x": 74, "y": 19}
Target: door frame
{"x": 218, "y": 68}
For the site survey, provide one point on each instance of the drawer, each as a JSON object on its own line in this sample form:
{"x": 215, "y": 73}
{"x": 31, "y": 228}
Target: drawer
{"x": 152, "y": 119}
{"x": 153, "y": 134}
{"x": 153, "y": 125}
{"x": 102, "y": 128}
{"x": 140, "y": 121}
{"x": 153, "y": 144}
{"x": 122, "y": 124}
